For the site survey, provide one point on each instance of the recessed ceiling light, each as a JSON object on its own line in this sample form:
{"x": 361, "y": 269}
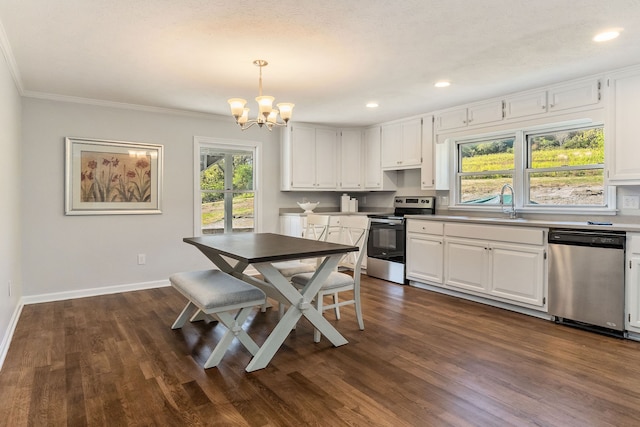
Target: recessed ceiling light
{"x": 607, "y": 35}
{"x": 442, "y": 84}
{"x": 372, "y": 105}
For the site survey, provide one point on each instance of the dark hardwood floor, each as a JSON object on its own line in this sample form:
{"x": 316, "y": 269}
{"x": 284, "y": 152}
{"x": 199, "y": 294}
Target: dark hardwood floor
{"x": 424, "y": 359}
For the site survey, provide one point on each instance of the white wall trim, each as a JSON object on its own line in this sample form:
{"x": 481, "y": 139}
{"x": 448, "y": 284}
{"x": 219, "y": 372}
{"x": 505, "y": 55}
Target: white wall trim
{"x": 7, "y": 52}
{"x": 8, "y": 335}
{"x": 83, "y": 293}
{"x": 123, "y": 105}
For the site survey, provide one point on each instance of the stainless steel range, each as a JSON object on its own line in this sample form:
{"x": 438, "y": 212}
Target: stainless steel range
{"x": 386, "y": 245}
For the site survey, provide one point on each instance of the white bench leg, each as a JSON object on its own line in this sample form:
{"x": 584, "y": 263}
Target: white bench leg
{"x": 183, "y": 316}
{"x": 234, "y": 329}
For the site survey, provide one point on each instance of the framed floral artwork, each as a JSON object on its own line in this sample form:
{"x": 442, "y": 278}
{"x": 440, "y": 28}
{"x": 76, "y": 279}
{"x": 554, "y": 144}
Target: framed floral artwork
{"x": 112, "y": 177}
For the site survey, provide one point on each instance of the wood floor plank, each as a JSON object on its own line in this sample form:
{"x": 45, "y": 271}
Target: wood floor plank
{"x": 423, "y": 359}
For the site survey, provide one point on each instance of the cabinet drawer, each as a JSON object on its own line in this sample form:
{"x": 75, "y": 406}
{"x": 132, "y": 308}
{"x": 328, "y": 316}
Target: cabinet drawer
{"x": 531, "y": 236}
{"x": 425, "y": 227}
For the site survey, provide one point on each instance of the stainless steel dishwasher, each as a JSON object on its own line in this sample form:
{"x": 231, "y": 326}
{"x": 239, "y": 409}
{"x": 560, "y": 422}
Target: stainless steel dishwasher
{"x": 586, "y": 279}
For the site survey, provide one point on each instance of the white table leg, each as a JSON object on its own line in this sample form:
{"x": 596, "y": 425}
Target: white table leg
{"x": 300, "y": 306}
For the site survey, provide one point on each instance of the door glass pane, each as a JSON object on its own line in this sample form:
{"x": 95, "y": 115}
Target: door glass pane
{"x": 226, "y": 184}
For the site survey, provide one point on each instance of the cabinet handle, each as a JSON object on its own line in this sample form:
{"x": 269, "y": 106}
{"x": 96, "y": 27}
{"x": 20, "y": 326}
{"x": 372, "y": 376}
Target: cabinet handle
{"x": 469, "y": 121}
{"x": 543, "y": 107}
{"x": 551, "y": 105}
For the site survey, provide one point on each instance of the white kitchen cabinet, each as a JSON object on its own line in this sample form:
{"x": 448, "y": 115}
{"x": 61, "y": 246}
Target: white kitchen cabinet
{"x": 351, "y": 159}
{"x": 526, "y": 104}
{"x": 632, "y": 282}
{"x": 427, "y": 170}
{"x": 503, "y": 263}
{"x": 293, "y": 225}
{"x": 574, "y": 95}
{"x": 471, "y": 115}
{"x": 623, "y": 150}
{"x": 402, "y": 145}
{"x": 374, "y": 177}
{"x": 309, "y": 158}
{"x": 424, "y": 250}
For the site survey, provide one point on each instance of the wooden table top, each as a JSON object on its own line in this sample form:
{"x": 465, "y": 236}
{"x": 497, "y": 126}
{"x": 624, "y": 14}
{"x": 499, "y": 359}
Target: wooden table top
{"x": 254, "y": 248}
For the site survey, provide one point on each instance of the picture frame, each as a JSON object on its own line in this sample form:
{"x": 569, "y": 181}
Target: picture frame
{"x": 104, "y": 177}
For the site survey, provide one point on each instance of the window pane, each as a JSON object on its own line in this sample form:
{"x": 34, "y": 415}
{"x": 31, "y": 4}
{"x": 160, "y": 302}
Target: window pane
{"x": 241, "y": 215}
{"x": 243, "y": 212}
{"x": 570, "y": 148}
{"x": 496, "y": 155}
{"x": 243, "y": 171}
{"x": 484, "y": 189}
{"x": 575, "y": 187}
{"x": 212, "y": 176}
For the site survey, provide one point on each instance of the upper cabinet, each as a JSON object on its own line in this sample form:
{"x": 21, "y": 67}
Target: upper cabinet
{"x": 427, "y": 175}
{"x": 623, "y": 150}
{"x": 557, "y": 98}
{"x": 475, "y": 114}
{"x": 581, "y": 94}
{"x": 309, "y": 158}
{"x": 402, "y": 145}
{"x": 374, "y": 177}
{"x": 351, "y": 150}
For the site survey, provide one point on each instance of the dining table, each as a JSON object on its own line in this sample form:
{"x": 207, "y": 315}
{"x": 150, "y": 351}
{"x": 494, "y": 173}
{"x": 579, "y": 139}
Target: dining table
{"x": 232, "y": 253}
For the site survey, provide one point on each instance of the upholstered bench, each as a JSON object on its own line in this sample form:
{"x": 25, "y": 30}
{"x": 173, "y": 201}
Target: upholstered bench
{"x": 216, "y": 293}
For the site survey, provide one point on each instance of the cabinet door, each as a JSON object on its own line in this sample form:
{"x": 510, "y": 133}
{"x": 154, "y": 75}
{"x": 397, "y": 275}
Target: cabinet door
{"x": 427, "y": 175}
{"x": 424, "y": 258}
{"x": 372, "y": 153}
{"x": 623, "y": 165}
{"x": 633, "y": 293}
{"x": 517, "y": 273}
{"x": 488, "y": 112}
{"x": 529, "y": 104}
{"x": 303, "y": 157}
{"x": 574, "y": 95}
{"x": 392, "y": 145}
{"x": 351, "y": 160}
{"x": 412, "y": 143}
{"x": 466, "y": 264}
{"x": 326, "y": 160}
{"x": 451, "y": 119}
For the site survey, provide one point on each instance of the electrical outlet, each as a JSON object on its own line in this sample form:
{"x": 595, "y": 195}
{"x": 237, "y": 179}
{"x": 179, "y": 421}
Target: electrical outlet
{"x": 630, "y": 202}
{"x": 142, "y": 259}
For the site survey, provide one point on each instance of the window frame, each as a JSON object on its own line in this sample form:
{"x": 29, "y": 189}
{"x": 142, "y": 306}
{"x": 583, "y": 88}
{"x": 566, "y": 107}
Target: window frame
{"x": 521, "y": 182}
{"x": 226, "y": 145}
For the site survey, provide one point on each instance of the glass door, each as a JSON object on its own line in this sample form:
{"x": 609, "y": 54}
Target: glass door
{"x": 227, "y": 186}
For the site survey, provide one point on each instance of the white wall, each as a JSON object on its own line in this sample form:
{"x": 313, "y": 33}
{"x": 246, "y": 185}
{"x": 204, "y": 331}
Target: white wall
{"x": 70, "y": 254}
{"x": 10, "y": 190}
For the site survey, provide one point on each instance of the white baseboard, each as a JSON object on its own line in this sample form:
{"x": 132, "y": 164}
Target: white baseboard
{"x": 83, "y": 293}
{"x": 60, "y": 296}
{"x": 8, "y": 335}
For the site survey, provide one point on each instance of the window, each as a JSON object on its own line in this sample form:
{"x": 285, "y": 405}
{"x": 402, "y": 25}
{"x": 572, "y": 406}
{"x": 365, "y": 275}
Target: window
{"x": 566, "y": 167}
{"x": 227, "y": 186}
{"x": 484, "y": 167}
{"x": 557, "y": 167}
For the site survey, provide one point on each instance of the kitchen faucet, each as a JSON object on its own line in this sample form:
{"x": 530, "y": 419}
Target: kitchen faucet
{"x": 512, "y": 211}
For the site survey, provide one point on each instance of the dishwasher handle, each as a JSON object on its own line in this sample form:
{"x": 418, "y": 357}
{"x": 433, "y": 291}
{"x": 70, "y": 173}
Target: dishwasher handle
{"x": 599, "y": 239}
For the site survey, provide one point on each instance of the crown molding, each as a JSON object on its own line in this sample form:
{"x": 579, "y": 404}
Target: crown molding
{"x": 121, "y": 105}
{"x": 5, "y": 47}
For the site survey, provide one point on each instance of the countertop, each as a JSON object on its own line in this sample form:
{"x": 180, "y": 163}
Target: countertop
{"x": 331, "y": 211}
{"x": 523, "y": 222}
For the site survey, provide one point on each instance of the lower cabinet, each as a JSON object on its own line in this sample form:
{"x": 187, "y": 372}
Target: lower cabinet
{"x": 424, "y": 249}
{"x": 501, "y": 263}
{"x": 632, "y": 277}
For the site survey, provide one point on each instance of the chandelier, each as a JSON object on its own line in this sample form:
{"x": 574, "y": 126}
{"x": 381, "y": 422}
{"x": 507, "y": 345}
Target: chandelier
{"x": 267, "y": 115}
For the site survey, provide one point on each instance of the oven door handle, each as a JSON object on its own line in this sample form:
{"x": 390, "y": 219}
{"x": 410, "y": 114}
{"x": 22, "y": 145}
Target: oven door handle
{"x": 386, "y": 222}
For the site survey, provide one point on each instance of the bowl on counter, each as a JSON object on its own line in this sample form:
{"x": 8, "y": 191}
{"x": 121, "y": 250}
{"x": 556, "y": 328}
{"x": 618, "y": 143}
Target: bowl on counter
{"x": 308, "y": 207}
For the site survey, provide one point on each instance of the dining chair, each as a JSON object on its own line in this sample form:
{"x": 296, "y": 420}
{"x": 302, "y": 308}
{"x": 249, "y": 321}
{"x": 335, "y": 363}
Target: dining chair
{"x": 317, "y": 228}
{"x": 354, "y": 230}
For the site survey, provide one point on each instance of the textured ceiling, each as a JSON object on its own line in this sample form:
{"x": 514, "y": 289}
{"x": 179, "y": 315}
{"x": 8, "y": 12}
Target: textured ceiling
{"x": 329, "y": 57}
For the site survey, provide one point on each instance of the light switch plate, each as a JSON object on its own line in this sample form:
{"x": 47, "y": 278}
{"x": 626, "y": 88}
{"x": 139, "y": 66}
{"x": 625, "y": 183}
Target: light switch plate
{"x": 630, "y": 202}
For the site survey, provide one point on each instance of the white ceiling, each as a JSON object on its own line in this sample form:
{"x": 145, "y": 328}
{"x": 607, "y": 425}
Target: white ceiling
{"x": 329, "y": 57}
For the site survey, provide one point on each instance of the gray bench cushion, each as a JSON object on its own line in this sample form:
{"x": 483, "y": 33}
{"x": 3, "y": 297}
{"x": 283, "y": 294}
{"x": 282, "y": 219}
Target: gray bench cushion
{"x": 210, "y": 289}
